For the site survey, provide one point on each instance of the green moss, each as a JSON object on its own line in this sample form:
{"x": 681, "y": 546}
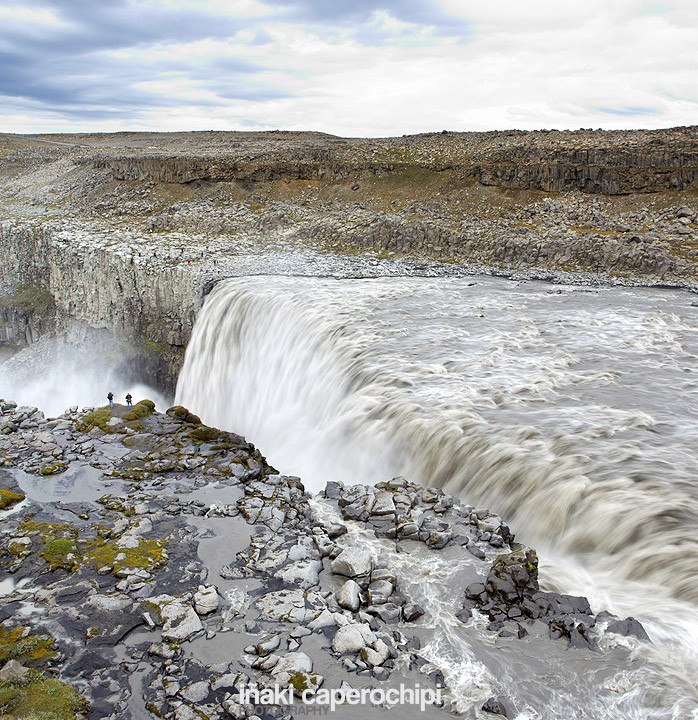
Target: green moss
{"x": 302, "y": 681}
{"x": 9, "y": 498}
{"x": 154, "y": 347}
{"x": 204, "y": 434}
{"x": 40, "y": 698}
{"x": 31, "y": 527}
{"x": 116, "y": 504}
{"x": 132, "y": 473}
{"x": 98, "y": 418}
{"x": 18, "y": 549}
{"x": 181, "y": 413}
{"x": 222, "y": 446}
{"x": 29, "y": 650}
{"x": 59, "y": 552}
{"x": 141, "y": 409}
{"x": 147, "y": 555}
{"x": 54, "y": 469}
{"x": 63, "y": 549}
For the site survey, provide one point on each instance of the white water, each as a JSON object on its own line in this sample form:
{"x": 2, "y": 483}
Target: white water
{"x": 572, "y": 413}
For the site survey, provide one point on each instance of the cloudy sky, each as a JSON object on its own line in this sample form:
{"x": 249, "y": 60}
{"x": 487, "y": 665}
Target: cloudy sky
{"x": 353, "y": 68}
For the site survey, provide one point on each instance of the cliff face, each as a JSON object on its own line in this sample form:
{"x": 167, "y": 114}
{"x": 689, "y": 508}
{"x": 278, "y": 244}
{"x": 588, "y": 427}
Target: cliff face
{"x": 646, "y": 165}
{"x": 590, "y": 162}
{"x": 107, "y": 285}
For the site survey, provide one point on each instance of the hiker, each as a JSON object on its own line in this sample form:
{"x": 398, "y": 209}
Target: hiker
{"x": 110, "y": 397}
{"x": 128, "y": 400}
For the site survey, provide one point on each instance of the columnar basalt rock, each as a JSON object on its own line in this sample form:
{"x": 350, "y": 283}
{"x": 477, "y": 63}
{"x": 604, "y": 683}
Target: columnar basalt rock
{"x": 119, "y": 287}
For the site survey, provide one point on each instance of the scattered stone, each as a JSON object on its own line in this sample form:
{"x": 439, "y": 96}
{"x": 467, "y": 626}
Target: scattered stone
{"x": 180, "y": 621}
{"x": 352, "y": 638}
{"x": 13, "y": 672}
{"x": 495, "y": 707}
{"x": 206, "y": 600}
{"x": 629, "y": 626}
{"x": 349, "y": 596}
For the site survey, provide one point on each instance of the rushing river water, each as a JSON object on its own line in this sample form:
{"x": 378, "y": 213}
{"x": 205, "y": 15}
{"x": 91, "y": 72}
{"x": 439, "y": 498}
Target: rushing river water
{"x": 572, "y": 412}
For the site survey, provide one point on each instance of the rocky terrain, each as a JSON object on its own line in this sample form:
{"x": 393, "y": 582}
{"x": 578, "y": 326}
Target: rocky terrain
{"x": 129, "y": 231}
{"x": 151, "y": 566}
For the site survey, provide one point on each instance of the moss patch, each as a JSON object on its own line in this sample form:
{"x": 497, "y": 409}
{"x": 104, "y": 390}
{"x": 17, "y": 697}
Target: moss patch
{"x": 141, "y": 409}
{"x": 115, "y": 504}
{"x": 29, "y": 650}
{"x": 63, "y": 549}
{"x": 154, "y": 347}
{"x": 9, "y": 498}
{"x": 181, "y": 413}
{"x": 40, "y": 698}
{"x": 147, "y": 555}
{"x": 204, "y": 434}
{"x": 53, "y": 469}
{"x": 59, "y": 552}
{"x": 96, "y": 419}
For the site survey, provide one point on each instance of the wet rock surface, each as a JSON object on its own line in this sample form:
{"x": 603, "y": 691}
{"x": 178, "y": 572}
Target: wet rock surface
{"x": 175, "y": 568}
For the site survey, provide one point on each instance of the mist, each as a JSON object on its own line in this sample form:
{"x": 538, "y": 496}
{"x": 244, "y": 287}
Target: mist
{"x": 54, "y": 374}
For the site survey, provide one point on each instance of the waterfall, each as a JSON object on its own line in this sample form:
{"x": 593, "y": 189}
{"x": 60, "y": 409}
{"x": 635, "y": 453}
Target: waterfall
{"x": 571, "y": 414}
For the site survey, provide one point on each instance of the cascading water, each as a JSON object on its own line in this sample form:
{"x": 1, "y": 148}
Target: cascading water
{"x": 570, "y": 412}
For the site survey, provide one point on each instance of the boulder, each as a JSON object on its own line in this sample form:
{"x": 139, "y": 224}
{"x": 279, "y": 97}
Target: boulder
{"x": 352, "y": 638}
{"x": 629, "y": 626}
{"x": 379, "y": 591}
{"x": 495, "y": 707}
{"x": 206, "y": 599}
{"x": 294, "y": 662}
{"x": 348, "y": 596}
{"x": 353, "y": 562}
{"x": 294, "y": 606}
{"x": 13, "y": 672}
{"x": 180, "y": 621}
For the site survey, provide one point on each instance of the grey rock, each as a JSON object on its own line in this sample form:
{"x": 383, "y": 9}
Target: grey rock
{"x": 13, "y": 671}
{"x": 384, "y": 504}
{"x": 412, "y": 611}
{"x": 196, "y": 692}
{"x": 353, "y": 562}
{"x": 265, "y": 646}
{"x": 349, "y": 596}
{"x": 294, "y": 606}
{"x": 304, "y": 573}
{"x": 352, "y": 638}
{"x": 206, "y": 599}
{"x": 629, "y": 626}
{"x": 294, "y": 662}
{"x": 379, "y": 591}
{"x": 180, "y": 621}
{"x": 495, "y": 707}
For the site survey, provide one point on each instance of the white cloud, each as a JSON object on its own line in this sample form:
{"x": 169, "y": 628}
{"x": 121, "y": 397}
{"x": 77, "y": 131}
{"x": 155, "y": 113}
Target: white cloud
{"x": 28, "y": 15}
{"x": 516, "y": 64}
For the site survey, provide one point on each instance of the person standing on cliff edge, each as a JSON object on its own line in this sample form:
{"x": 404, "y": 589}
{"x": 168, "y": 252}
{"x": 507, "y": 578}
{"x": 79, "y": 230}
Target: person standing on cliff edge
{"x": 110, "y": 397}
{"x": 128, "y": 400}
